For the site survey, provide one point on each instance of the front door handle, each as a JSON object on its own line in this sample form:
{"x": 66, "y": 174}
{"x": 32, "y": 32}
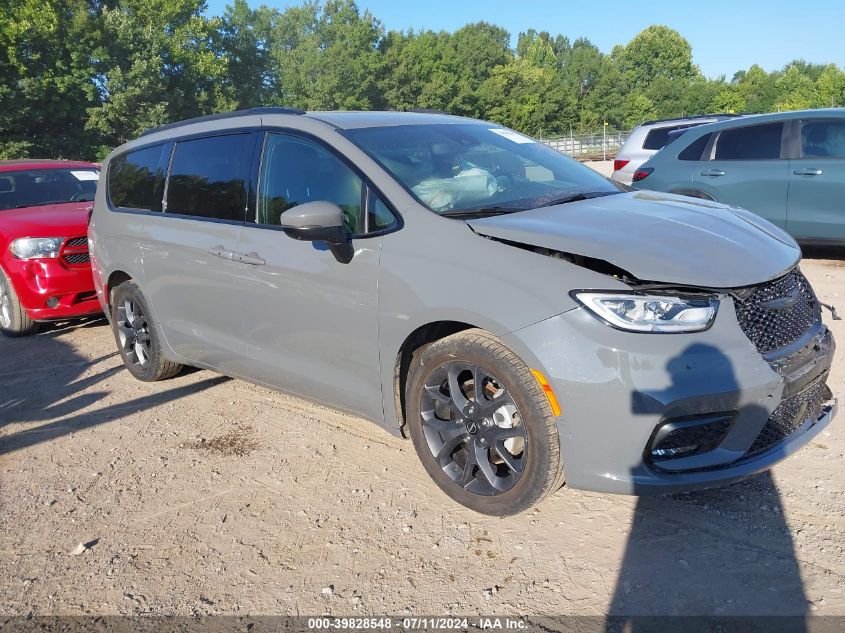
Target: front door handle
{"x": 808, "y": 171}
{"x": 713, "y": 172}
{"x": 248, "y": 258}
{"x": 219, "y": 251}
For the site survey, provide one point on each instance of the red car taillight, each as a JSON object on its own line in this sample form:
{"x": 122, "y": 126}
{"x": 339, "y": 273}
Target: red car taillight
{"x": 642, "y": 174}
{"x": 619, "y": 164}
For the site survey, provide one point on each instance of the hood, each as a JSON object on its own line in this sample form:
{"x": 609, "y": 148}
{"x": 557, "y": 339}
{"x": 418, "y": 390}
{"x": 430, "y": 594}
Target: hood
{"x": 67, "y": 219}
{"x": 657, "y": 237}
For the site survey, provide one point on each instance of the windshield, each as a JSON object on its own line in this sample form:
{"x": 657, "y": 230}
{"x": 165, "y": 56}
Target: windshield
{"x": 37, "y": 187}
{"x": 466, "y": 168}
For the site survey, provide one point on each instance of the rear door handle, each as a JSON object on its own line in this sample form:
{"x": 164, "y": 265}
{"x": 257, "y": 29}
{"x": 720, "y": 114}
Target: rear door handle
{"x": 219, "y": 251}
{"x": 248, "y": 258}
{"x": 808, "y": 171}
{"x": 712, "y": 172}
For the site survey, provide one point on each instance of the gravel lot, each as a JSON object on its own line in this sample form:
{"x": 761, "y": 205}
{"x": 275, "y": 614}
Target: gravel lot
{"x": 206, "y": 495}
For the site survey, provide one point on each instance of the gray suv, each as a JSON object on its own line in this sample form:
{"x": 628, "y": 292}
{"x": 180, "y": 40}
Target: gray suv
{"x": 522, "y": 319}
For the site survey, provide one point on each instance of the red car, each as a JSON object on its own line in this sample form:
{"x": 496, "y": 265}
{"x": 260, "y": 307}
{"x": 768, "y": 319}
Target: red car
{"x": 45, "y": 274}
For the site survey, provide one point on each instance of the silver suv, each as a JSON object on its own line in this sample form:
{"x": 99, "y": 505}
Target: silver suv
{"x": 650, "y": 137}
{"x": 522, "y": 319}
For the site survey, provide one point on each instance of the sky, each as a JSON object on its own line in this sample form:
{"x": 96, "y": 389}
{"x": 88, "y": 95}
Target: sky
{"x": 725, "y": 36}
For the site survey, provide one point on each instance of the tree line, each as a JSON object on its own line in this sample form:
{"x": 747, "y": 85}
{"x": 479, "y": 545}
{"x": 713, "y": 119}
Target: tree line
{"x": 78, "y": 77}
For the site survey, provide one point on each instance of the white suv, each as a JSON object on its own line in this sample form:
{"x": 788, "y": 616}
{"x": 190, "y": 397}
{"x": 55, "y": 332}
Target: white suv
{"x": 646, "y": 139}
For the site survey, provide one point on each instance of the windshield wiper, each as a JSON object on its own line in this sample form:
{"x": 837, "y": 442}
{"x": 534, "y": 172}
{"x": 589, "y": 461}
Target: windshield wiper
{"x": 39, "y": 204}
{"x": 468, "y": 213}
{"x": 576, "y": 197}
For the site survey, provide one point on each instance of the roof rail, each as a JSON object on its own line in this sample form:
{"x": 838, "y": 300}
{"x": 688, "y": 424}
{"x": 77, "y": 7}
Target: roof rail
{"x": 426, "y": 111}
{"x": 692, "y": 118}
{"x": 225, "y": 115}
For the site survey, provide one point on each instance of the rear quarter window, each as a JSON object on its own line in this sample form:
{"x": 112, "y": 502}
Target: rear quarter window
{"x": 136, "y": 179}
{"x": 659, "y": 137}
{"x": 695, "y": 150}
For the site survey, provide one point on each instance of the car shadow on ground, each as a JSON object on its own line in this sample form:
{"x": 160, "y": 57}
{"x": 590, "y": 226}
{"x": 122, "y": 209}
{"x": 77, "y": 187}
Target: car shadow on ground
{"x": 51, "y": 382}
{"x": 723, "y": 552}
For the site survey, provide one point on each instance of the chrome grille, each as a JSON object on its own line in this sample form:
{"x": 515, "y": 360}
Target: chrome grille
{"x": 779, "y": 312}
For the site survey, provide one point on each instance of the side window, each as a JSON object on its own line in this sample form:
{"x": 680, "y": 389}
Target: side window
{"x": 295, "y": 171}
{"x": 823, "y": 139}
{"x": 379, "y": 215}
{"x": 659, "y": 136}
{"x": 136, "y": 180}
{"x": 752, "y": 142}
{"x": 695, "y": 150}
{"x": 208, "y": 177}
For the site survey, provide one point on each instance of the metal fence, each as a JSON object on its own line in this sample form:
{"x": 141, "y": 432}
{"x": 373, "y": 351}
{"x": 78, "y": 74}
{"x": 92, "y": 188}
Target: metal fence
{"x": 599, "y": 146}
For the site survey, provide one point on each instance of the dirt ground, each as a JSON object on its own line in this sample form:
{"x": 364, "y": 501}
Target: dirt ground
{"x": 206, "y": 495}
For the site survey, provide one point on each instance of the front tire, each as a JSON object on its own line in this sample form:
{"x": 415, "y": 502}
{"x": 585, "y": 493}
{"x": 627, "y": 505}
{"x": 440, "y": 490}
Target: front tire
{"x": 14, "y": 321}
{"x": 136, "y": 336}
{"x": 482, "y": 425}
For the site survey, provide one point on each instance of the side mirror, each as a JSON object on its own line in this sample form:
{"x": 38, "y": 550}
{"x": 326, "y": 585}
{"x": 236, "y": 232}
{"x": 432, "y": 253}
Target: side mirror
{"x": 319, "y": 221}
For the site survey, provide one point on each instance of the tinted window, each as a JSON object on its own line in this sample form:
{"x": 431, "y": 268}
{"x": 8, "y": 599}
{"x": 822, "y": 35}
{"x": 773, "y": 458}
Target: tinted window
{"x": 296, "y": 170}
{"x": 136, "y": 180}
{"x": 695, "y": 149}
{"x": 38, "y": 187}
{"x": 753, "y": 142}
{"x": 208, "y": 177}
{"x": 823, "y": 139}
{"x": 659, "y": 137}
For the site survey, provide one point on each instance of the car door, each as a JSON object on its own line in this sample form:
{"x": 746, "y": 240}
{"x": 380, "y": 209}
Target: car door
{"x": 311, "y": 321}
{"x": 191, "y": 279}
{"x": 816, "y": 201}
{"x": 746, "y": 170}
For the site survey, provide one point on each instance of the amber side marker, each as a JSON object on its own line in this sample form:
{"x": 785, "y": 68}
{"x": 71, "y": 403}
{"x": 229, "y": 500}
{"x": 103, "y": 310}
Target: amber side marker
{"x": 547, "y": 389}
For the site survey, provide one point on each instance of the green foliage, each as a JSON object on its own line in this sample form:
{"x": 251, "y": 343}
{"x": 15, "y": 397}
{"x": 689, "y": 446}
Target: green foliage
{"x": 729, "y": 100}
{"x": 78, "y": 77}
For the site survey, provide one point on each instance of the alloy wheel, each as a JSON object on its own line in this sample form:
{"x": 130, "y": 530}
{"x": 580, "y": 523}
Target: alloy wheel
{"x": 133, "y": 332}
{"x": 473, "y": 428}
{"x": 5, "y": 304}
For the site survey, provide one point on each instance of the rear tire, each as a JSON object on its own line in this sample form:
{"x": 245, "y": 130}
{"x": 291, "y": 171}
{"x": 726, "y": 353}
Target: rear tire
{"x": 494, "y": 447}
{"x": 137, "y": 337}
{"x": 14, "y": 321}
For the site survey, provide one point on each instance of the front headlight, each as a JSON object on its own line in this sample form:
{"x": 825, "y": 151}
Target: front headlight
{"x": 33, "y": 247}
{"x": 651, "y": 313}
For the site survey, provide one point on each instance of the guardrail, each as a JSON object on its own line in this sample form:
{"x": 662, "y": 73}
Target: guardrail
{"x": 602, "y": 146}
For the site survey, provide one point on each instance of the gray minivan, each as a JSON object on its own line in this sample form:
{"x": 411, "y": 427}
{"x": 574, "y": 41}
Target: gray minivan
{"x": 522, "y": 319}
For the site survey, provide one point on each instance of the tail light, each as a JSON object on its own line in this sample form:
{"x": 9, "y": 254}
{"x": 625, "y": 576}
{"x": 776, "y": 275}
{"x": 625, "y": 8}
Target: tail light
{"x": 642, "y": 173}
{"x": 619, "y": 164}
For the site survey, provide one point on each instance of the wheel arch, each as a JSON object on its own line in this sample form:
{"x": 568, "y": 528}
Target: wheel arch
{"x": 422, "y": 336}
{"x": 116, "y": 278}
{"x": 694, "y": 193}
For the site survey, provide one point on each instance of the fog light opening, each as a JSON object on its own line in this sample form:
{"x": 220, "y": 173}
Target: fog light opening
{"x": 686, "y": 437}
{"x": 674, "y": 452}
{"x": 52, "y": 302}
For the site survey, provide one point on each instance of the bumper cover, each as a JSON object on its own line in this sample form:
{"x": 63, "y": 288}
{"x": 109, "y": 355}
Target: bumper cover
{"x": 617, "y": 388}
{"x": 37, "y": 281}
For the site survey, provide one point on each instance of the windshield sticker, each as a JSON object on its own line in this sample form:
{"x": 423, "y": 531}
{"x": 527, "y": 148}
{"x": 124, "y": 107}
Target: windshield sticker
{"x": 516, "y": 137}
{"x": 85, "y": 175}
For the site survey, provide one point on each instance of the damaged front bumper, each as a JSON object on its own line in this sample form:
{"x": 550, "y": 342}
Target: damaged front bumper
{"x": 646, "y": 413}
